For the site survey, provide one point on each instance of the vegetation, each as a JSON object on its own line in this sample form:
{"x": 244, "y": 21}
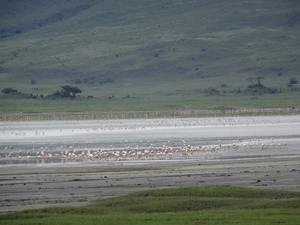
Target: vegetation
{"x": 9, "y": 90}
{"x": 106, "y": 49}
{"x": 293, "y": 80}
{"x": 66, "y": 92}
{"x": 259, "y": 88}
{"x": 194, "y": 205}
{"x": 257, "y": 79}
{"x": 70, "y": 91}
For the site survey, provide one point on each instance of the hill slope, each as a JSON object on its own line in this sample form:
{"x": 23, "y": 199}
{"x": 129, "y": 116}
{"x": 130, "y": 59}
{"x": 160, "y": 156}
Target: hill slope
{"x": 134, "y": 43}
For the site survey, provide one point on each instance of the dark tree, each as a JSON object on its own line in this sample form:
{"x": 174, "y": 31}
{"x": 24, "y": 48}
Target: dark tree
{"x": 9, "y": 90}
{"x": 258, "y": 80}
{"x": 69, "y": 91}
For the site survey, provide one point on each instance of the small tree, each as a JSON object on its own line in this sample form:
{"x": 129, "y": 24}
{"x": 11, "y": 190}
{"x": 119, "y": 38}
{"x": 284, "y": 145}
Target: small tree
{"x": 69, "y": 91}
{"x": 257, "y": 79}
{"x": 9, "y": 90}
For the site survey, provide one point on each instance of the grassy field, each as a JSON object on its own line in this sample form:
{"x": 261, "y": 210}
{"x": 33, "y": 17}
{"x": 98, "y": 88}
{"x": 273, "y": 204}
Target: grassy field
{"x": 158, "y": 55}
{"x": 178, "y": 95}
{"x": 194, "y": 205}
{"x": 154, "y": 102}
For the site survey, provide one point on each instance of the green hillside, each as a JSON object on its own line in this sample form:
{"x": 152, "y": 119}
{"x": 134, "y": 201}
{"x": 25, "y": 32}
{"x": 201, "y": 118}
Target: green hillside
{"x": 162, "y": 50}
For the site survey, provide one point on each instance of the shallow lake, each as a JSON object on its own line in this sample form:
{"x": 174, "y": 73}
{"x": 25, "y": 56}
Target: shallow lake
{"x": 86, "y": 141}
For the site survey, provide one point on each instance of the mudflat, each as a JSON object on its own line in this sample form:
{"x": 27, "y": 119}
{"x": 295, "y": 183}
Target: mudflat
{"x": 36, "y": 186}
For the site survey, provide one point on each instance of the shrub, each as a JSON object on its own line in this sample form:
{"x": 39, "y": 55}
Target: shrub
{"x": 273, "y": 90}
{"x": 9, "y": 90}
{"x": 211, "y": 91}
{"x": 69, "y": 91}
{"x": 56, "y": 94}
{"x": 293, "y": 80}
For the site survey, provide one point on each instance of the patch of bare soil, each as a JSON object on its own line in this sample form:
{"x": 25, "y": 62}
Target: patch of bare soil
{"x": 37, "y": 187}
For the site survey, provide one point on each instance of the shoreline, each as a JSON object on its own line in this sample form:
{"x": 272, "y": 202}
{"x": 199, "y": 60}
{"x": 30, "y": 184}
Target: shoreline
{"x": 187, "y": 113}
{"x": 38, "y": 187}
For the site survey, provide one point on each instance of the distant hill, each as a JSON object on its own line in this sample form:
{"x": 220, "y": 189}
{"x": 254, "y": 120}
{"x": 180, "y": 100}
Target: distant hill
{"x": 103, "y": 42}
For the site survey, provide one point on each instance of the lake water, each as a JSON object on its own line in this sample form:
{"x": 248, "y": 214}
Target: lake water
{"x": 86, "y": 141}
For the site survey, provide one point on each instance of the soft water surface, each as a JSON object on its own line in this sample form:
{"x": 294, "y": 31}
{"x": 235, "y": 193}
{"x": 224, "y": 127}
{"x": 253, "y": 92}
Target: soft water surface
{"x": 281, "y": 135}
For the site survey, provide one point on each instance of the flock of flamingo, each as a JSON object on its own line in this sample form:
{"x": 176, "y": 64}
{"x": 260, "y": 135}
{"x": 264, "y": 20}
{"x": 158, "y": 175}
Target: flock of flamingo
{"x": 66, "y": 153}
{"x": 76, "y": 152}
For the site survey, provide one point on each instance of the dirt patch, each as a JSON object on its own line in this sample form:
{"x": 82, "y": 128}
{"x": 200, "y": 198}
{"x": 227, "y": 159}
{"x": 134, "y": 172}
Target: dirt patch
{"x": 37, "y": 187}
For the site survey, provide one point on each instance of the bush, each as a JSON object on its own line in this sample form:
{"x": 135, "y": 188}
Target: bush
{"x": 9, "y": 90}
{"x": 69, "y": 91}
{"x": 273, "y": 90}
{"x": 293, "y": 80}
{"x": 211, "y": 91}
{"x": 56, "y": 94}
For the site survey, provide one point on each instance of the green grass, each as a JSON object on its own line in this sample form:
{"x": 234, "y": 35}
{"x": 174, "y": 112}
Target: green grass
{"x": 142, "y": 101}
{"x": 194, "y": 205}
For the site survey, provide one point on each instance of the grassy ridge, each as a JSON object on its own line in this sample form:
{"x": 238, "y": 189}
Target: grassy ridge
{"x": 195, "y": 205}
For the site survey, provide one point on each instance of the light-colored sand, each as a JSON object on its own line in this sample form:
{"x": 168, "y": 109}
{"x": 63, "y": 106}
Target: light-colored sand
{"x": 28, "y": 187}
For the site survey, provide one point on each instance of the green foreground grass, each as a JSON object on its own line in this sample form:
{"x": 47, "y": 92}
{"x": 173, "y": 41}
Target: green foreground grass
{"x": 194, "y": 205}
